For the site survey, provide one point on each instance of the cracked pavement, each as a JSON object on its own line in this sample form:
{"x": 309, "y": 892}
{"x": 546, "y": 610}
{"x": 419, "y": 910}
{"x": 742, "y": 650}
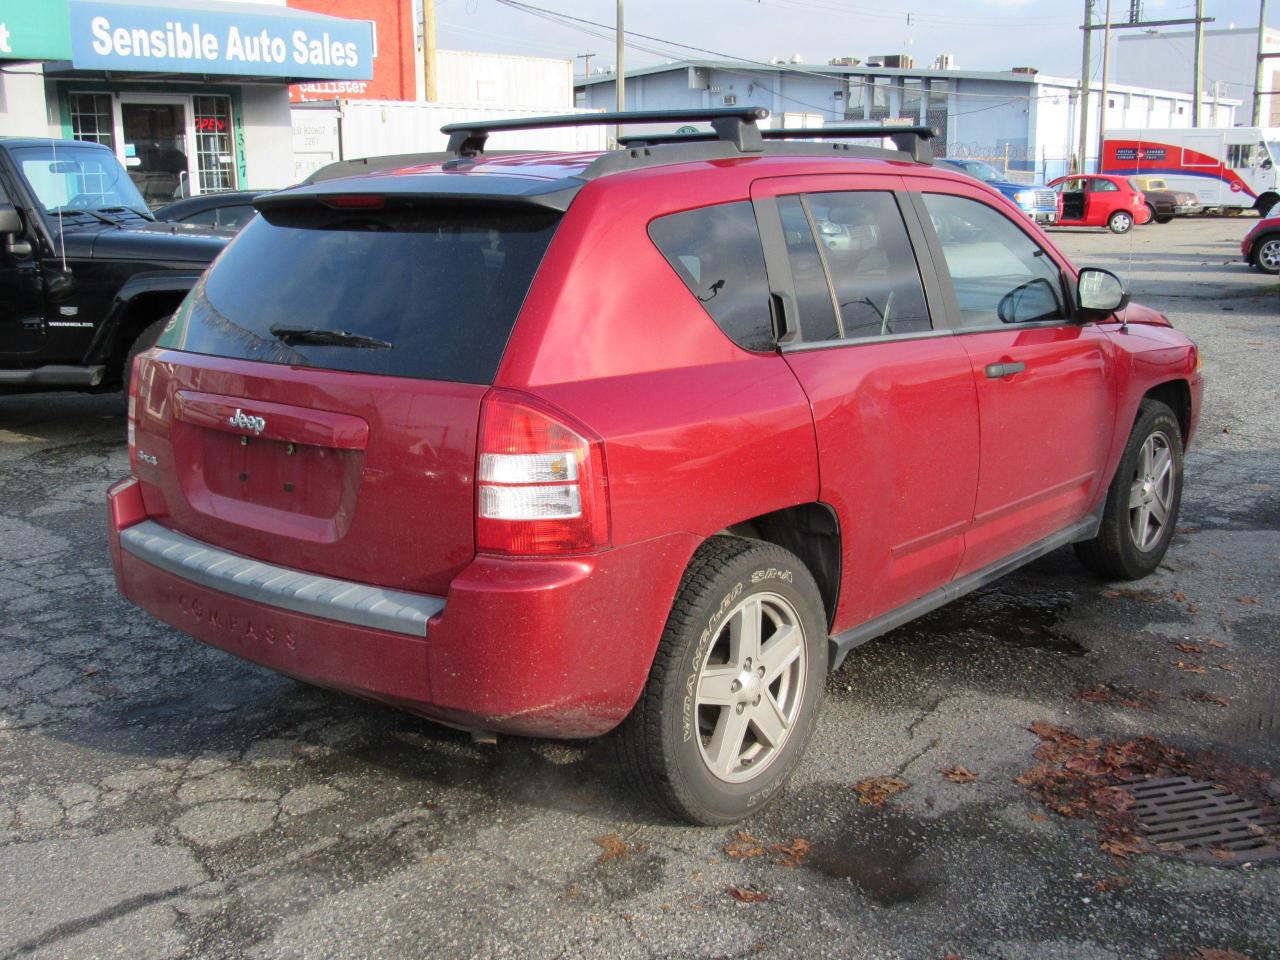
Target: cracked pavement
{"x": 162, "y": 799}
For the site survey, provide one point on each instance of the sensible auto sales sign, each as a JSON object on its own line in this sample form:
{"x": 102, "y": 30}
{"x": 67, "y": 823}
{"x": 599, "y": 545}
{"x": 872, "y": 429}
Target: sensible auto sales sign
{"x": 219, "y": 38}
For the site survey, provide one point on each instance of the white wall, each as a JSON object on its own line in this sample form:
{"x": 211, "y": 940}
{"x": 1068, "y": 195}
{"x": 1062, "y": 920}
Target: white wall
{"x": 464, "y": 76}
{"x": 24, "y": 110}
{"x": 268, "y": 137}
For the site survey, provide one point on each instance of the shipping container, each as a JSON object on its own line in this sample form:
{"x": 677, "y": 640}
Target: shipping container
{"x": 324, "y": 132}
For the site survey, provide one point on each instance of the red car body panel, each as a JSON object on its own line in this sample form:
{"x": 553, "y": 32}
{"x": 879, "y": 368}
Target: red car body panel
{"x": 1099, "y": 206}
{"x": 1267, "y": 226}
{"x": 930, "y": 468}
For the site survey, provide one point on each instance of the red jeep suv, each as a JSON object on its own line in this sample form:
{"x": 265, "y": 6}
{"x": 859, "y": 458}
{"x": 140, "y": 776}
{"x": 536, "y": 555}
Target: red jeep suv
{"x": 552, "y": 444}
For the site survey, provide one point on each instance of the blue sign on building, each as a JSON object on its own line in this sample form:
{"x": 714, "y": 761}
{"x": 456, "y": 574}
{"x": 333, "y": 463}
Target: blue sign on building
{"x": 214, "y": 38}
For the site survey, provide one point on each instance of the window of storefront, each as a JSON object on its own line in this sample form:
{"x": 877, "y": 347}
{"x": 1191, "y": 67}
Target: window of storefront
{"x": 173, "y": 144}
{"x": 92, "y": 118}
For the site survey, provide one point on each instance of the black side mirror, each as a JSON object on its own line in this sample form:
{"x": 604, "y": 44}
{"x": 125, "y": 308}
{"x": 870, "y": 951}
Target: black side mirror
{"x": 1034, "y": 300}
{"x": 10, "y": 222}
{"x": 1100, "y": 291}
{"x": 11, "y": 232}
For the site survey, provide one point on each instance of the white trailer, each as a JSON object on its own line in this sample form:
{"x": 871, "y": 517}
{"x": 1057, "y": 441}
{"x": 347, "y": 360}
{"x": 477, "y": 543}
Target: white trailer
{"x": 331, "y": 130}
{"x": 1228, "y": 168}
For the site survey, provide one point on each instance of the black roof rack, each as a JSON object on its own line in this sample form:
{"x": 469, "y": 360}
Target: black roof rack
{"x": 736, "y": 125}
{"x": 913, "y": 140}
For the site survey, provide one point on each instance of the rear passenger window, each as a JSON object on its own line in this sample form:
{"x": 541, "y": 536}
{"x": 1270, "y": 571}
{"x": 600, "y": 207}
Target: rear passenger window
{"x": 717, "y": 253}
{"x": 1000, "y": 274}
{"x": 871, "y": 262}
{"x": 813, "y": 291}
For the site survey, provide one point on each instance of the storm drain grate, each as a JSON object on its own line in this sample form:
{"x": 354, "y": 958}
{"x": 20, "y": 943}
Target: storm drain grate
{"x": 1201, "y": 821}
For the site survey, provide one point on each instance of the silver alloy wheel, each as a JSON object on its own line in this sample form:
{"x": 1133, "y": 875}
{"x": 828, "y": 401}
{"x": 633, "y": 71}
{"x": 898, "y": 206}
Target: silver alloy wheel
{"x": 750, "y": 687}
{"x": 1151, "y": 493}
{"x": 1269, "y": 255}
{"x": 1120, "y": 222}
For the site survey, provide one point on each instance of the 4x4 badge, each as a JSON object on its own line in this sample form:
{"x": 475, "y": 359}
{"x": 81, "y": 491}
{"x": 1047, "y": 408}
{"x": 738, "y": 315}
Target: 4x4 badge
{"x": 246, "y": 421}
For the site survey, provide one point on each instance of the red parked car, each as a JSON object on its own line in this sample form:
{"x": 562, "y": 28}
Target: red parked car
{"x": 1261, "y": 245}
{"x": 1096, "y": 200}
{"x": 553, "y": 444}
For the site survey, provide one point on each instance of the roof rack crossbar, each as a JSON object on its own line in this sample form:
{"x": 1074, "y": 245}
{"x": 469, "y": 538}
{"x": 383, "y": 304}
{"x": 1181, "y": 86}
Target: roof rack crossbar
{"x": 913, "y": 141}
{"x": 736, "y": 125}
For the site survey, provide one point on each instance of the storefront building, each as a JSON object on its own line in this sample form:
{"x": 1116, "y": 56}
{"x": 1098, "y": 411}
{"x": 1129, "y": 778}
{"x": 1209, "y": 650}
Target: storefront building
{"x": 191, "y": 98}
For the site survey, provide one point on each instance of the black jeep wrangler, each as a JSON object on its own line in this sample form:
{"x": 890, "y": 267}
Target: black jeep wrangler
{"x": 87, "y": 277}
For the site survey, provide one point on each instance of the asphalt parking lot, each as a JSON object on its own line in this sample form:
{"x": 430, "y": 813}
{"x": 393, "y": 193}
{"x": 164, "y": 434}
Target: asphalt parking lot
{"x": 159, "y": 799}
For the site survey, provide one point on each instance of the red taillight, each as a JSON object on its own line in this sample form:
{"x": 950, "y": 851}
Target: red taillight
{"x": 134, "y": 374}
{"x": 540, "y": 480}
{"x": 355, "y": 201}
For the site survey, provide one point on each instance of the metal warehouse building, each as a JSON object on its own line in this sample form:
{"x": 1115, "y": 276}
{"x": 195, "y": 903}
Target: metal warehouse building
{"x": 1021, "y": 116}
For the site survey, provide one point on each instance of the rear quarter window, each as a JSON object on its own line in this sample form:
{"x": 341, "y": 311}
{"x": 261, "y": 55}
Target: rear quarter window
{"x": 716, "y": 252}
{"x": 442, "y": 287}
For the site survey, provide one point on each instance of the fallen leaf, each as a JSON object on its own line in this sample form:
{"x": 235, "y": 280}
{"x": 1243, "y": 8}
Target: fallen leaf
{"x": 1216, "y": 644}
{"x": 1114, "y": 882}
{"x": 875, "y": 791}
{"x": 1248, "y": 600}
{"x": 1122, "y": 847}
{"x": 744, "y": 846}
{"x": 614, "y": 847}
{"x": 792, "y": 854}
{"x": 1208, "y": 953}
{"x": 1188, "y": 667}
{"x": 1229, "y": 667}
{"x": 958, "y": 774}
{"x": 1186, "y": 529}
{"x": 1202, "y": 697}
{"x": 1222, "y": 854}
{"x": 1179, "y": 596}
{"x": 746, "y": 894}
{"x": 1193, "y": 608}
{"x": 1037, "y": 817}
{"x": 1189, "y": 647}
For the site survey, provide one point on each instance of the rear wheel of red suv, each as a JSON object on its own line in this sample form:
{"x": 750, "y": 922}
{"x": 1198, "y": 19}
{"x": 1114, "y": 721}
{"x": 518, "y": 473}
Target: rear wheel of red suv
{"x": 736, "y": 684}
{"x": 1142, "y": 504}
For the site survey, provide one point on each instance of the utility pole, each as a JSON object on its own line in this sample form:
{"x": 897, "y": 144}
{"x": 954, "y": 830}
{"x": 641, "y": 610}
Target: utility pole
{"x": 1258, "y": 120}
{"x": 586, "y": 63}
{"x": 620, "y": 73}
{"x": 429, "y": 49}
{"x": 1084, "y": 83}
{"x": 1102, "y": 99}
{"x": 1199, "y": 80}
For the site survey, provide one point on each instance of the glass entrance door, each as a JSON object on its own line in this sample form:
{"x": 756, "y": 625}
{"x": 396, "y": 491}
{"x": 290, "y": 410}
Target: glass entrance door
{"x": 157, "y": 155}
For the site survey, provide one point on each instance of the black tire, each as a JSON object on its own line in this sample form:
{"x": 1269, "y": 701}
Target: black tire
{"x": 1120, "y": 222}
{"x": 1266, "y": 254}
{"x": 143, "y": 341}
{"x": 1167, "y": 218}
{"x": 662, "y": 745}
{"x": 1115, "y": 552}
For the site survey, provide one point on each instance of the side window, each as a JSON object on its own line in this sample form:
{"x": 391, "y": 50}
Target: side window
{"x": 716, "y": 251}
{"x": 235, "y": 217}
{"x": 1103, "y": 186}
{"x": 1000, "y": 274}
{"x": 871, "y": 262}
{"x": 205, "y": 218}
{"x": 813, "y": 289}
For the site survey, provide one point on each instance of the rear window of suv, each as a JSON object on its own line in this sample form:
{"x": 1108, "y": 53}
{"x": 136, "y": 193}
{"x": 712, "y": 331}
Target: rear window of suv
{"x": 424, "y": 292}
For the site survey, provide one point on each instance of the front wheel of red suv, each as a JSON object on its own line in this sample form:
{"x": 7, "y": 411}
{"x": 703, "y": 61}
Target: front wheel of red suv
{"x": 736, "y": 685}
{"x": 1142, "y": 504}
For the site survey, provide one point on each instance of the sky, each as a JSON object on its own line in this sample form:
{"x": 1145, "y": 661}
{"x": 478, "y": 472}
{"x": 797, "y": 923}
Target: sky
{"x": 980, "y": 34}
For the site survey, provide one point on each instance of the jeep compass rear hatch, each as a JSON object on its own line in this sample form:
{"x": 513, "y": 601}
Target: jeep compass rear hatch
{"x": 315, "y": 402}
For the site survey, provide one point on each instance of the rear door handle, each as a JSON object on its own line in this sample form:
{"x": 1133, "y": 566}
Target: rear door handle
{"x": 997, "y": 370}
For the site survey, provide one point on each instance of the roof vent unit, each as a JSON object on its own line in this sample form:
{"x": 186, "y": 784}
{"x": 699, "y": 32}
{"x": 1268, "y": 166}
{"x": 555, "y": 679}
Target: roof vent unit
{"x": 730, "y": 100}
{"x": 1028, "y": 71}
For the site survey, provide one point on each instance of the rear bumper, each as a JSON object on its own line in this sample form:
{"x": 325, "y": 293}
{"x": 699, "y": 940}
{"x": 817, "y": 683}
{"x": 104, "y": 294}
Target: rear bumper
{"x": 536, "y": 647}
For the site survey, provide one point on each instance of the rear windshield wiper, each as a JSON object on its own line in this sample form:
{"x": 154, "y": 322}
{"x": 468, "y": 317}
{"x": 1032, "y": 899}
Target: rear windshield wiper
{"x": 336, "y": 338}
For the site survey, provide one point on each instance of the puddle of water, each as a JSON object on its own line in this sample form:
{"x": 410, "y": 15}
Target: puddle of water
{"x": 880, "y": 866}
{"x": 999, "y": 616}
